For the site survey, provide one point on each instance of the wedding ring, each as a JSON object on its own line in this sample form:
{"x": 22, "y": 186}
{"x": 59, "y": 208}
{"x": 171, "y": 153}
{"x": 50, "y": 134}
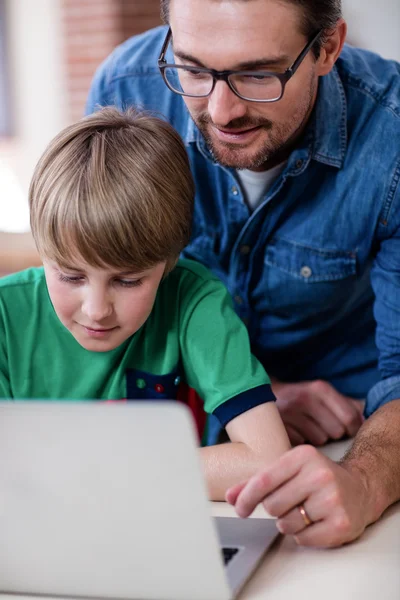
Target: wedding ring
{"x": 305, "y": 517}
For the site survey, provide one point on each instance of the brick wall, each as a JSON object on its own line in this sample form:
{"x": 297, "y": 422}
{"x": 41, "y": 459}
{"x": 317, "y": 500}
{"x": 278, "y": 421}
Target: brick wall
{"x": 92, "y": 28}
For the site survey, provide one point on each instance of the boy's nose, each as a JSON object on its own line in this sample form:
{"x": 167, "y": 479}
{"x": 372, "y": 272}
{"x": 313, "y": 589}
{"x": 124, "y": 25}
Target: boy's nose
{"x": 97, "y": 308}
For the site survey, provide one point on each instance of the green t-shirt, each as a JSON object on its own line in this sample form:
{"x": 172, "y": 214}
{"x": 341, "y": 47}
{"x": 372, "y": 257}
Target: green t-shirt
{"x": 192, "y": 336}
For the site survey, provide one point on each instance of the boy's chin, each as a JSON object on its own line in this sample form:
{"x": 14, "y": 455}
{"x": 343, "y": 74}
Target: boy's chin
{"x": 99, "y": 345}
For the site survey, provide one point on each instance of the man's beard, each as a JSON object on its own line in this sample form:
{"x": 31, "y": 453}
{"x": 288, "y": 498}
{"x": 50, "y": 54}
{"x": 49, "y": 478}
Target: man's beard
{"x": 277, "y": 146}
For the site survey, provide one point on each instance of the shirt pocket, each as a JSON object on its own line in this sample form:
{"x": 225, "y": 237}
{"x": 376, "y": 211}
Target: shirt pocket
{"x": 302, "y": 280}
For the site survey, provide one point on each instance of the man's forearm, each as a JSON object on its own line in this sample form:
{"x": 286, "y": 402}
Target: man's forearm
{"x": 375, "y": 456}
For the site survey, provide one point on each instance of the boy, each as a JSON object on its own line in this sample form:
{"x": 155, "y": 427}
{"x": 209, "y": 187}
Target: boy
{"x": 110, "y": 316}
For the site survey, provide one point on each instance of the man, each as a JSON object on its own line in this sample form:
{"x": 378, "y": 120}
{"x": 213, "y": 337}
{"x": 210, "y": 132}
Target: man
{"x": 294, "y": 146}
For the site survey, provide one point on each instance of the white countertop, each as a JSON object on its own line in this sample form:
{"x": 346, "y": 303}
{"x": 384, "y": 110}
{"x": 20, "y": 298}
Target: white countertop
{"x": 367, "y": 569}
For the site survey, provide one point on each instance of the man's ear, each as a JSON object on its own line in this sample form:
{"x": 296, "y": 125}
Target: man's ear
{"x": 332, "y": 48}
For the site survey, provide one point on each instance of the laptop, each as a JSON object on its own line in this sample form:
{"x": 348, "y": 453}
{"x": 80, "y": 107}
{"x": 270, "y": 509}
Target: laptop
{"x": 103, "y": 500}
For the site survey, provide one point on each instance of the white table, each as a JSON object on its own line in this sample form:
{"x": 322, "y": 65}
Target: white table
{"x": 367, "y": 569}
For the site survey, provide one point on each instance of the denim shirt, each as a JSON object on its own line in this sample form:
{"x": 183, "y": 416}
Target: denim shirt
{"x": 314, "y": 271}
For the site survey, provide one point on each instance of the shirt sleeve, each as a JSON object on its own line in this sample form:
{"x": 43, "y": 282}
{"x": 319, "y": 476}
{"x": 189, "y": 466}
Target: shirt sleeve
{"x": 5, "y": 388}
{"x": 99, "y": 93}
{"x": 5, "y": 391}
{"x": 216, "y": 355}
{"x": 385, "y": 279}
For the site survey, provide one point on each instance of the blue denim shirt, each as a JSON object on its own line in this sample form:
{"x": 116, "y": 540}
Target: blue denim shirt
{"x": 314, "y": 271}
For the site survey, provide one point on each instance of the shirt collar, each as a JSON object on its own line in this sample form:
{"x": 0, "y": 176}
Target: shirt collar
{"x": 192, "y": 133}
{"x": 328, "y": 126}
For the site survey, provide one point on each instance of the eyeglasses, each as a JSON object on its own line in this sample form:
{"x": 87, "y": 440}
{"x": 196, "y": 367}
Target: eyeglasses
{"x": 253, "y": 86}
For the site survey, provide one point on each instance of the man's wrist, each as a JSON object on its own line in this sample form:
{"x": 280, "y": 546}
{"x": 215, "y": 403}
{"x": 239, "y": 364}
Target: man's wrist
{"x": 371, "y": 501}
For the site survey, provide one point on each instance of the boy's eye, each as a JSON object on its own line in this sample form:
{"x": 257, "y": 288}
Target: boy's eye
{"x": 129, "y": 282}
{"x": 69, "y": 278}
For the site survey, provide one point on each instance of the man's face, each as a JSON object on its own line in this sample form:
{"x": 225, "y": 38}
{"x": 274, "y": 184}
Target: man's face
{"x": 101, "y": 307}
{"x": 233, "y": 35}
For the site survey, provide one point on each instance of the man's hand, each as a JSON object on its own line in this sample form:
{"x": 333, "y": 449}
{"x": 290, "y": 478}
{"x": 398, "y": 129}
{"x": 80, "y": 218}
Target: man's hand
{"x": 335, "y": 499}
{"x": 314, "y": 412}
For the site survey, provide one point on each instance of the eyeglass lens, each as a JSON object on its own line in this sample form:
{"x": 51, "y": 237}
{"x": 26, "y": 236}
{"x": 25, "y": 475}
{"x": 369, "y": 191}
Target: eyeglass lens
{"x": 198, "y": 83}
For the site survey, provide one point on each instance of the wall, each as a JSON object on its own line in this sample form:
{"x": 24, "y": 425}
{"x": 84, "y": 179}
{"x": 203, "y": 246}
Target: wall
{"x": 92, "y": 29}
{"x": 374, "y": 25}
{"x": 38, "y": 99}
{"x": 54, "y": 47}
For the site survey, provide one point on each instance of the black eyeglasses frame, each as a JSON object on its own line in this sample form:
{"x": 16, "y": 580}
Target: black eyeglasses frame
{"x": 224, "y": 75}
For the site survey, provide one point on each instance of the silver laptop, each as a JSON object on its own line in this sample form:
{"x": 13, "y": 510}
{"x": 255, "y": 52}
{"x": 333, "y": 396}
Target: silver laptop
{"x": 108, "y": 501}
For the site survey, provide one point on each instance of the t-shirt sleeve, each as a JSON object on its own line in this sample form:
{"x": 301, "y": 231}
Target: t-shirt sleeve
{"x": 5, "y": 388}
{"x": 216, "y": 355}
{"x": 5, "y": 391}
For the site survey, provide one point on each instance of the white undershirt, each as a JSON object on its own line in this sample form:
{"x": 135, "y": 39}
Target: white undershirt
{"x": 256, "y": 183}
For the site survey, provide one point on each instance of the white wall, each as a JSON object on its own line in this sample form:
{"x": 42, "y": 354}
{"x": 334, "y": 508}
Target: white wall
{"x": 34, "y": 29}
{"x": 34, "y": 43}
{"x": 374, "y": 24}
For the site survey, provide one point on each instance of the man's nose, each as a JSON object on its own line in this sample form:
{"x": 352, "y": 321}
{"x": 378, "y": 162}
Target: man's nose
{"x": 97, "y": 306}
{"x": 224, "y": 106}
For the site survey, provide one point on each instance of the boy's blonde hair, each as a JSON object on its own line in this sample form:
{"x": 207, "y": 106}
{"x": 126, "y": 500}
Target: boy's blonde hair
{"x": 114, "y": 189}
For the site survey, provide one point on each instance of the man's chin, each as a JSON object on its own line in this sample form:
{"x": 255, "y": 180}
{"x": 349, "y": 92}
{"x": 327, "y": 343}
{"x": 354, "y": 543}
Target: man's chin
{"x": 238, "y": 158}
{"x": 247, "y": 155}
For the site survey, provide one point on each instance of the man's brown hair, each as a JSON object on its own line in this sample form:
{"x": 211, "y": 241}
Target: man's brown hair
{"x": 316, "y": 15}
{"x": 114, "y": 189}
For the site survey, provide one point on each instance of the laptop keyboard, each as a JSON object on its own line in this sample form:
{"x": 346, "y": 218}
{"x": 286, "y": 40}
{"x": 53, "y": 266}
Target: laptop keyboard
{"x": 228, "y": 554}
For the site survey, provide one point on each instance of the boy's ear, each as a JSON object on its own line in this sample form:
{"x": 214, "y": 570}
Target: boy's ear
{"x": 331, "y": 49}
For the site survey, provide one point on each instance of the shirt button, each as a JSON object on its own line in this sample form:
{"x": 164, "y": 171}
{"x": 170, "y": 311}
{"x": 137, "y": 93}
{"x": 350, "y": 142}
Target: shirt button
{"x": 234, "y": 190}
{"x": 245, "y": 250}
{"x": 305, "y": 272}
{"x": 238, "y": 300}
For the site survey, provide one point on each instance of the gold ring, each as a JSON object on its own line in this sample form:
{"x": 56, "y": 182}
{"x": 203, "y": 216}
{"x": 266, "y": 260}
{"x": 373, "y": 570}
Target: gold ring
{"x": 306, "y": 518}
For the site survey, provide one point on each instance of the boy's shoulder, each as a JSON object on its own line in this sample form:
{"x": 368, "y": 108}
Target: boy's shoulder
{"x": 23, "y": 297}
{"x": 22, "y": 279}
{"x": 188, "y": 284}
{"x": 189, "y": 279}
{"x": 195, "y": 271}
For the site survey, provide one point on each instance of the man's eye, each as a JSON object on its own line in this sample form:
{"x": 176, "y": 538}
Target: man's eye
{"x": 259, "y": 79}
{"x": 197, "y": 74}
{"x": 252, "y": 77}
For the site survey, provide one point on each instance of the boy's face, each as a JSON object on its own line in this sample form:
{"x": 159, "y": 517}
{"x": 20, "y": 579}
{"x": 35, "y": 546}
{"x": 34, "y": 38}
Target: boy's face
{"x": 101, "y": 307}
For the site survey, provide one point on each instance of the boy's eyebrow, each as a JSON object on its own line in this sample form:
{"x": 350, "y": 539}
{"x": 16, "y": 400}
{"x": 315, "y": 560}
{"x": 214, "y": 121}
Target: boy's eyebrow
{"x": 68, "y": 268}
{"x": 135, "y": 274}
{"x": 115, "y": 273}
{"x": 271, "y": 61}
